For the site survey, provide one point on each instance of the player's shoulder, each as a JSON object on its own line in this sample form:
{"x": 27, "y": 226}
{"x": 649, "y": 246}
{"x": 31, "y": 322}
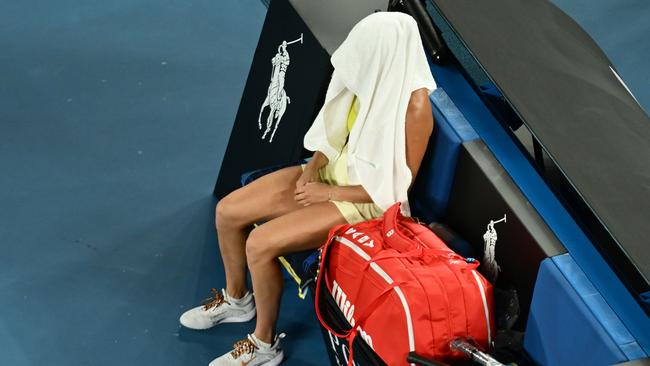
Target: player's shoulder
{"x": 419, "y": 103}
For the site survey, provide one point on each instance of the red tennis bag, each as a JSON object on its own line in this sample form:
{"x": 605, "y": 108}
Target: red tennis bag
{"x": 402, "y": 289}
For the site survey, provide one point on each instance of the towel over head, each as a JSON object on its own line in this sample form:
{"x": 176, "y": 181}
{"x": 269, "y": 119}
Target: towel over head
{"x": 382, "y": 61}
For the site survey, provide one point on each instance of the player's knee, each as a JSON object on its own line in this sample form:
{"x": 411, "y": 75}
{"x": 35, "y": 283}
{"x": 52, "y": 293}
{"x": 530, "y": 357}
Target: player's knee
{"x": 259, "y": 247}
{"x": 226, "y": 212}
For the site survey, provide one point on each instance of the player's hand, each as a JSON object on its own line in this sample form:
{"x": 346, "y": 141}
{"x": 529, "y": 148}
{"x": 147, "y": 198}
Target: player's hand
{"x": 313, "y": 192}
{"x": 309, "y": 175}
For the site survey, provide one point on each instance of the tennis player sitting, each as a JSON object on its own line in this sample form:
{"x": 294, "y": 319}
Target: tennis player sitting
{"x": 368, "y": 141}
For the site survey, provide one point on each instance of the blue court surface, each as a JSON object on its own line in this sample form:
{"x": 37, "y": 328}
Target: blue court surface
{"x": 114, "y": 118}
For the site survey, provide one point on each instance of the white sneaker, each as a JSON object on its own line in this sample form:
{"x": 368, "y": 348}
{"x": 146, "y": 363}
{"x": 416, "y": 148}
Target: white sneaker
{"x": 221, "y": 308}
{"x": 252, "y": 352}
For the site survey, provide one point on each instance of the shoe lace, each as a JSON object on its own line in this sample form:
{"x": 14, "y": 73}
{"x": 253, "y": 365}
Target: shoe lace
{"x": 216, "y": 300}
{"x": 244, "y": 346}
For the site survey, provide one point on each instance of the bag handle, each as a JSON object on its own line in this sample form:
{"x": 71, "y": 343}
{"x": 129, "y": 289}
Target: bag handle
{"x": 393, "y": 233}
{"x": 394, "y": 237}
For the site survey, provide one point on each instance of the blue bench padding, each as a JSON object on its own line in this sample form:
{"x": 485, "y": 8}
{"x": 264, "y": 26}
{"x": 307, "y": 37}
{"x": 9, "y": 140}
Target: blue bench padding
{"x": 570, "y": 323}
{"x": 430, "y": 193}
{"x": 254, "y": 174}
{"x": 444, "y": 108}
{"x": 599, "y": 307}
{"x": 545, "y": 202}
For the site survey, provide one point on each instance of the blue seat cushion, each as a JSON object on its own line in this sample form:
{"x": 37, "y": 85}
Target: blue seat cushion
{"x": 248, "y": 177}
{"x": 571, "y": 324}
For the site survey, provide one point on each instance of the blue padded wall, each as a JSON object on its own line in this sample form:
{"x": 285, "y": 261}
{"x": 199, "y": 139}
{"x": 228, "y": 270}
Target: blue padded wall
{"x": 571, "y": 324}
{"x": 431, "y": 189}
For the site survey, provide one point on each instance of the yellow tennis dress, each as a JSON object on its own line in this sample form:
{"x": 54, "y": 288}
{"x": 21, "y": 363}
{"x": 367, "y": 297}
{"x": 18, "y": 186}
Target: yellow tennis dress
{"x": 337, "y": 174}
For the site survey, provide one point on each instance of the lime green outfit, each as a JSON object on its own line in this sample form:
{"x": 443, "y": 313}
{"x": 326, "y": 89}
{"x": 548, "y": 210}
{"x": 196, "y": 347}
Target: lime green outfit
{"x": 336, "y": 173}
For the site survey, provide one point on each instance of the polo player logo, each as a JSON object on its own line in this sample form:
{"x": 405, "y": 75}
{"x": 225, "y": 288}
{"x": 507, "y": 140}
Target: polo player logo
{"x": 276, "y": 97}
{"x": 491, "y": 268}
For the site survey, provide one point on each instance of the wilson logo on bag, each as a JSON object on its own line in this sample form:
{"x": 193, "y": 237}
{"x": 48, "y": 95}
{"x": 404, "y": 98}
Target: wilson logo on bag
{"x": 402, "y": 289}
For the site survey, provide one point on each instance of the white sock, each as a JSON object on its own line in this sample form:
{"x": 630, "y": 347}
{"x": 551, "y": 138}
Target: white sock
{"x": 262, "y": 345}
{"x": 239, "y": 302}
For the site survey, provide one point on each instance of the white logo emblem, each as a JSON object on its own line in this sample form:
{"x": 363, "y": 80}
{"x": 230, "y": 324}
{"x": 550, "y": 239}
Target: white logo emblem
{"x": 489, "y": 262}
{"x": 361, "y": 240}
{"x": 347, "y": 308}
{"x": 276, "y": 97}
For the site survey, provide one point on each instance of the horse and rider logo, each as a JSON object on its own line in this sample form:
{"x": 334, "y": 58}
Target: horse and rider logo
{"x": 489, "y": 262}
{"x": 276, "y": 97}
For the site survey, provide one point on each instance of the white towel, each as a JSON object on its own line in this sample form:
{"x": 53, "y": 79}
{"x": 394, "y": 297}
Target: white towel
{"x": 382, "y": 62}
